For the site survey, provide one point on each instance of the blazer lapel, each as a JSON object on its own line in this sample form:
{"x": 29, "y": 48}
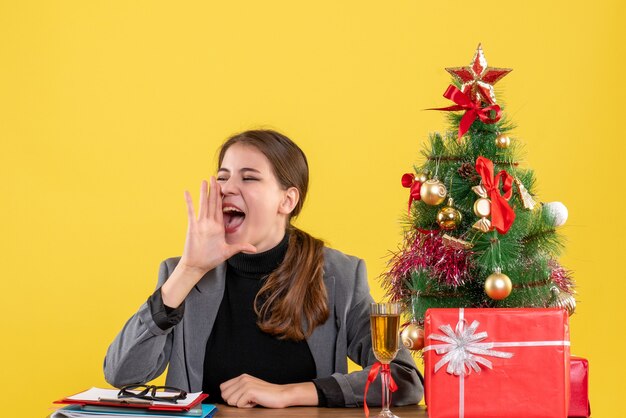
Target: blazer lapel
{"x": 324, "y": 335}
{"x": 201, "y": 309}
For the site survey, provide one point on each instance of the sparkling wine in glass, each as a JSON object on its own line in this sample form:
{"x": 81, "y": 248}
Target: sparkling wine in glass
{"x": 385, "y": 323}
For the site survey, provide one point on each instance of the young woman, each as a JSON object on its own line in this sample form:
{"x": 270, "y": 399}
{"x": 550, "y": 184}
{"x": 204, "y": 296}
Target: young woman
{"x": 256, "y": 311}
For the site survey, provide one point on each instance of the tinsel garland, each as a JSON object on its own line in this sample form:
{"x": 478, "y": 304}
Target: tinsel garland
{"x": 561, "y": 276}
{"x": 425, "y": 250}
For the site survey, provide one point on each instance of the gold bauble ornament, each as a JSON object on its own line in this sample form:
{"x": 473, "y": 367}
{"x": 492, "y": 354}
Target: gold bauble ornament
{"x": 433, "y": 192}
{"x": 563, "y": 300}
{"x": 498, "y": 286}
{"x": 421, "y": 177}
{"x": 448, "y": 217}
{"x": 413, "y": 336}
{"x": 503, "y": 141}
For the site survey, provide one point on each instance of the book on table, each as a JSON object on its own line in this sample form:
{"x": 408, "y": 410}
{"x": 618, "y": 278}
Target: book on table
{"x": 98, "y": 402}
{"x": 90, "y": 411}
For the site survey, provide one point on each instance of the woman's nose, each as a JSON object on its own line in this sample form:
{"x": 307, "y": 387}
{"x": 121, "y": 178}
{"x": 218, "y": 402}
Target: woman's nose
{"x": 227, "y": 186}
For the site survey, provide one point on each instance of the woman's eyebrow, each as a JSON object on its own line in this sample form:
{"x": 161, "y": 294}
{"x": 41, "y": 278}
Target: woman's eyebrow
{"x": 241, "y": 170}
{"x": 249, "y": 169}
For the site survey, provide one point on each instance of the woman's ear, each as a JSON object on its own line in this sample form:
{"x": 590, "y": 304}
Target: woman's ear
{"x": 290, "y": 200}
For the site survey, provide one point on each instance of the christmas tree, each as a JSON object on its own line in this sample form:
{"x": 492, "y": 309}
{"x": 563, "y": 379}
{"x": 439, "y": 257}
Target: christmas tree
{"x": 476, "y": 234}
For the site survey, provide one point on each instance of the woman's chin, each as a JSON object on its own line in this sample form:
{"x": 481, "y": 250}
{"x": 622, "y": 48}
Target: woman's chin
{"x": 234, "y": 237}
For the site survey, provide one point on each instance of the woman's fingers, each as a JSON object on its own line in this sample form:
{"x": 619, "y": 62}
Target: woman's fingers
{"x": 239, "y": 391}
{"x": 228, "y": 388}
{"x": 219, "y": 215}
{"x": 190, "y": 212}
{"x": 233, "y": 397}
{"x": 233, "y": 249}
{"x": 210, "y": 201}
{"x": 213, "y": 197}
{"x": 246, "y": 400}
{"x": 246, "y": 391}
{"x": 204, "y": 207}
{"x": 228, "y": 385}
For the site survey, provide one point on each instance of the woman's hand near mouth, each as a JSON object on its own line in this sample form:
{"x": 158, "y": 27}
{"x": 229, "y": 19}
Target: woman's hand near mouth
{"x": 205, "y": 245}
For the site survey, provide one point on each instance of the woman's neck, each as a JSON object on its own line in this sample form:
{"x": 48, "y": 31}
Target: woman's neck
{"x": 262, "y": 263}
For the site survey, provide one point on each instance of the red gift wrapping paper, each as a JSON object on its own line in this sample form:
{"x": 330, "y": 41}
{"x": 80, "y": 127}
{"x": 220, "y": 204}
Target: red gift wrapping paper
{"x": 579, "y": 405}
{"x": 532, "y": 383}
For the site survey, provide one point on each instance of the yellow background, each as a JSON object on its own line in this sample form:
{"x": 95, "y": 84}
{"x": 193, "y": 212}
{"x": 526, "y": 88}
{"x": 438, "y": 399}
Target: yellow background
{"x": 109, "y": 110}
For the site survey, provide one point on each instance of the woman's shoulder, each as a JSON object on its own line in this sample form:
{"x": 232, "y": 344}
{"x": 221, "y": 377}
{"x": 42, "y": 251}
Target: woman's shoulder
{"x": 348, "y": 276}
{"x": 336, "y": 261}
{"x": 339, "y": 256}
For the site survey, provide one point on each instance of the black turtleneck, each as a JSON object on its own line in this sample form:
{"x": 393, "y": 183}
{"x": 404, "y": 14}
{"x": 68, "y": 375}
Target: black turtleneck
{"x": 237, "y": 345}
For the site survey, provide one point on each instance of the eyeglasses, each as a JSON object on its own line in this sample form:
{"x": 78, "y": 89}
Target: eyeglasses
{"x": 153, "y": 393}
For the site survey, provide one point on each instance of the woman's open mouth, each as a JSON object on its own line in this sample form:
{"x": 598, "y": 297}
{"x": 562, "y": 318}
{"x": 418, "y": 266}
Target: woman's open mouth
{"x": 233, "y": 218}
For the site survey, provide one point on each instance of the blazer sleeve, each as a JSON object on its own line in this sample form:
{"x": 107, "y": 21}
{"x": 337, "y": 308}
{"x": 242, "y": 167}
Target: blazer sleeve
{"x": 141, "y": 350}
{"x": 403, "y": 369}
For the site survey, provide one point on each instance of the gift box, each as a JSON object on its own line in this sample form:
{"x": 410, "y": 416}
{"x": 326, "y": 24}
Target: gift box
{"x": 579, "y": 405}
{"x": 483, "y": 363}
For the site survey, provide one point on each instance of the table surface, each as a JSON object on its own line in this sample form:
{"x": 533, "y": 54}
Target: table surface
{"x": 296, "y": 412}
{"x": 412, "y": 411}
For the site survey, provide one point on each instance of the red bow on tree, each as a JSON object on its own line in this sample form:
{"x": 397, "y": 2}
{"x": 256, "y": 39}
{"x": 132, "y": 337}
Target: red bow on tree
{"x": 502, "y": 215}
{"x": 489, "y": 114}
{"x": 408, "y": 181}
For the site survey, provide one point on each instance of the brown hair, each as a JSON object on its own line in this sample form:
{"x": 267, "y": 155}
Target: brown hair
{"x": 295, "y": 290}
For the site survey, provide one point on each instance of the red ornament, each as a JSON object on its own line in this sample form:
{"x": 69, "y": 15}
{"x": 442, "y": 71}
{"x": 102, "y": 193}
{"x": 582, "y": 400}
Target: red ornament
{"x": 477, "y": 79}
{"x": 502, "y": 215}
{"x": 488, "y": 114}
{"x": 409, "y": 182}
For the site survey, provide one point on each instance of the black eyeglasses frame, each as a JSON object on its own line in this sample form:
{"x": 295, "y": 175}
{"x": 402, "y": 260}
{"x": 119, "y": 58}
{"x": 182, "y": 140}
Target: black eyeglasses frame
{"x": 149, "y": 392}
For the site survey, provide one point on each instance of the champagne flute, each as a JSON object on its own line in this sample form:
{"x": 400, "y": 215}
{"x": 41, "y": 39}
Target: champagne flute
{"x": 385, "y": 323}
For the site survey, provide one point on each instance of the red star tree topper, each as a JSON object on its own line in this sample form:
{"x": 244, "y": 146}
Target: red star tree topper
{"x": 477, "y": 79}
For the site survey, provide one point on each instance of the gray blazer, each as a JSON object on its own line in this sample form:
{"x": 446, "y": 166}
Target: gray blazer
{"x": 142, "y": 350}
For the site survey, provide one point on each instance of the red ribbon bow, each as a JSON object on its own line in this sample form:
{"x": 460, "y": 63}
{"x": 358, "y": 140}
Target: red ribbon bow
{"x": 472, "y": 109}
{"x": 408, "y": 181}
{"x": 502, "y": 215}
{"x": 376, "y": 367}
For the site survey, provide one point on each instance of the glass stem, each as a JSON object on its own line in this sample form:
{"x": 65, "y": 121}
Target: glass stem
{"x": 384, "y": 377}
